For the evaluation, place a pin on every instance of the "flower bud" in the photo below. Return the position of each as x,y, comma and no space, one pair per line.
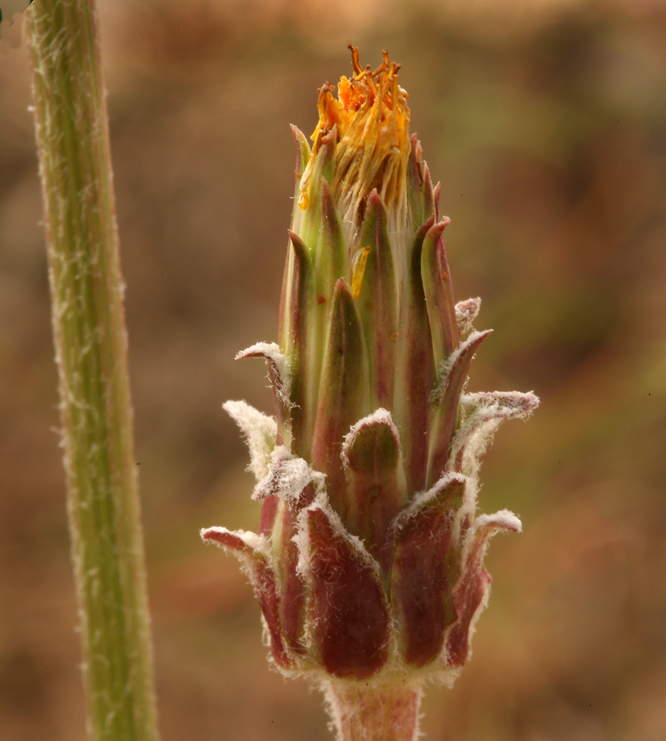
369,557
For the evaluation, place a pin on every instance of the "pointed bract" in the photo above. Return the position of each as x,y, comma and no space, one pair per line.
471,593
278,374
303,151
422,579
429,203
296,332
342,393
371,457
251,550
446,400
293,591
347,608
436,192
377,301
332,257
415,181
438,293
483,414
416,370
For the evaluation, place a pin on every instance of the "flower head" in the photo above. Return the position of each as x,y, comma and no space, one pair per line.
370,122
369,557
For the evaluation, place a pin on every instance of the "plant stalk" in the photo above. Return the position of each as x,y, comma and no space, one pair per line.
91,355
374,711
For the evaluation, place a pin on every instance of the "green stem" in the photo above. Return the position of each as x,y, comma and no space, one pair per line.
374,710
91,353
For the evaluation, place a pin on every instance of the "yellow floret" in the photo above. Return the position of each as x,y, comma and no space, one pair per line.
371,119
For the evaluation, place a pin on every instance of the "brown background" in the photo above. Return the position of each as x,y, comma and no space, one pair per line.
546,123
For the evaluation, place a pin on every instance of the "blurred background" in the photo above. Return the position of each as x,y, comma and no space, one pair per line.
545,121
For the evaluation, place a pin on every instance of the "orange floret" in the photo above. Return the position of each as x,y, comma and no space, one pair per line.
371,120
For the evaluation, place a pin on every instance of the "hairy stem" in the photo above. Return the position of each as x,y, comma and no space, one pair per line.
91,354
374,711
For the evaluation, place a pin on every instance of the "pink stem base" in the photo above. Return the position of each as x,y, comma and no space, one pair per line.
374,710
